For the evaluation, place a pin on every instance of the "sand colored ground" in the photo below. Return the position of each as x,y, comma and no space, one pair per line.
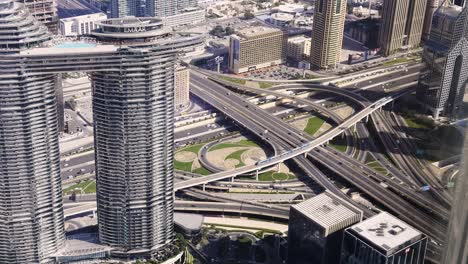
344,112
322,129
185,156
253,155
300,124
196,164
217,157
230,164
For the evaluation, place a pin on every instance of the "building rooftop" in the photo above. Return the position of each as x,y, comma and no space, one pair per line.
386,231
285,17
188,221
298,39
329,211
250,32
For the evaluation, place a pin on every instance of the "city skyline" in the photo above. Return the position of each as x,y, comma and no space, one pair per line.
233,132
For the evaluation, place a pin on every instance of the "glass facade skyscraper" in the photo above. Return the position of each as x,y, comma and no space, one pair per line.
442,87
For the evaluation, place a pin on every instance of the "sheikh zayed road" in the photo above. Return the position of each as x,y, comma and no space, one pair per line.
243,148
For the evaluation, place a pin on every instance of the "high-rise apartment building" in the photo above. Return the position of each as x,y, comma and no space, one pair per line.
299,48
44,11
316,229
181,87
256,47
31,219
133,106
149,8
327,33
402,25
442,87
384,239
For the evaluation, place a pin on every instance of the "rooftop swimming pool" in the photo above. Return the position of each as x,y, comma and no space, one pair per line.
70,45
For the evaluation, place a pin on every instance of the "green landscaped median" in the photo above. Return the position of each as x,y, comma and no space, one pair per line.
313,125
82,187
265,85
194,148
275,176
233,80
183,166
241,143
339,144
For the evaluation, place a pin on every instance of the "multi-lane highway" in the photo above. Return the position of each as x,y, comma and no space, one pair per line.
390,199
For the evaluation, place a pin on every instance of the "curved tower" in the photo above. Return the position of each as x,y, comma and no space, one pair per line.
134,134
31,218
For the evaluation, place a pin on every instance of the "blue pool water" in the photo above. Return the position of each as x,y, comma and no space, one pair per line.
70,45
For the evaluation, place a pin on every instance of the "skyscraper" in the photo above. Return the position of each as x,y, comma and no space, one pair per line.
151,8
44,11
327,33
431,7
442,87
402,25
31,219
133,103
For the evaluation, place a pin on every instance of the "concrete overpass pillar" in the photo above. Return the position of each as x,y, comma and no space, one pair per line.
256,175
232,179
94,213
279,167
367,119
305,155
354,128
204,187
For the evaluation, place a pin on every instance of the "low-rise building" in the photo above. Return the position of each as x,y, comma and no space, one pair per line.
316,228
80,25
189,16
383,238
298,48
181,87
256,47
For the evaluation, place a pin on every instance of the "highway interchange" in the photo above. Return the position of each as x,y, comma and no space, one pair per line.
399,194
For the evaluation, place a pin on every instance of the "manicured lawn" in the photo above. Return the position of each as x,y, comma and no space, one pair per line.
376,166
202,171
265,85
313,125
194,148
415,123
86,186
242,143
233,80
237,156
339,144
183,166
275,176
248,142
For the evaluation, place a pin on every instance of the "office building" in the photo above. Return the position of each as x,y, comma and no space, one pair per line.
327,33
31,222
402,25
456,247
383,239
316,229
298,48
431,7
44,11
181,87
442,87
256,47
80,25
149,8
187,16
133,110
